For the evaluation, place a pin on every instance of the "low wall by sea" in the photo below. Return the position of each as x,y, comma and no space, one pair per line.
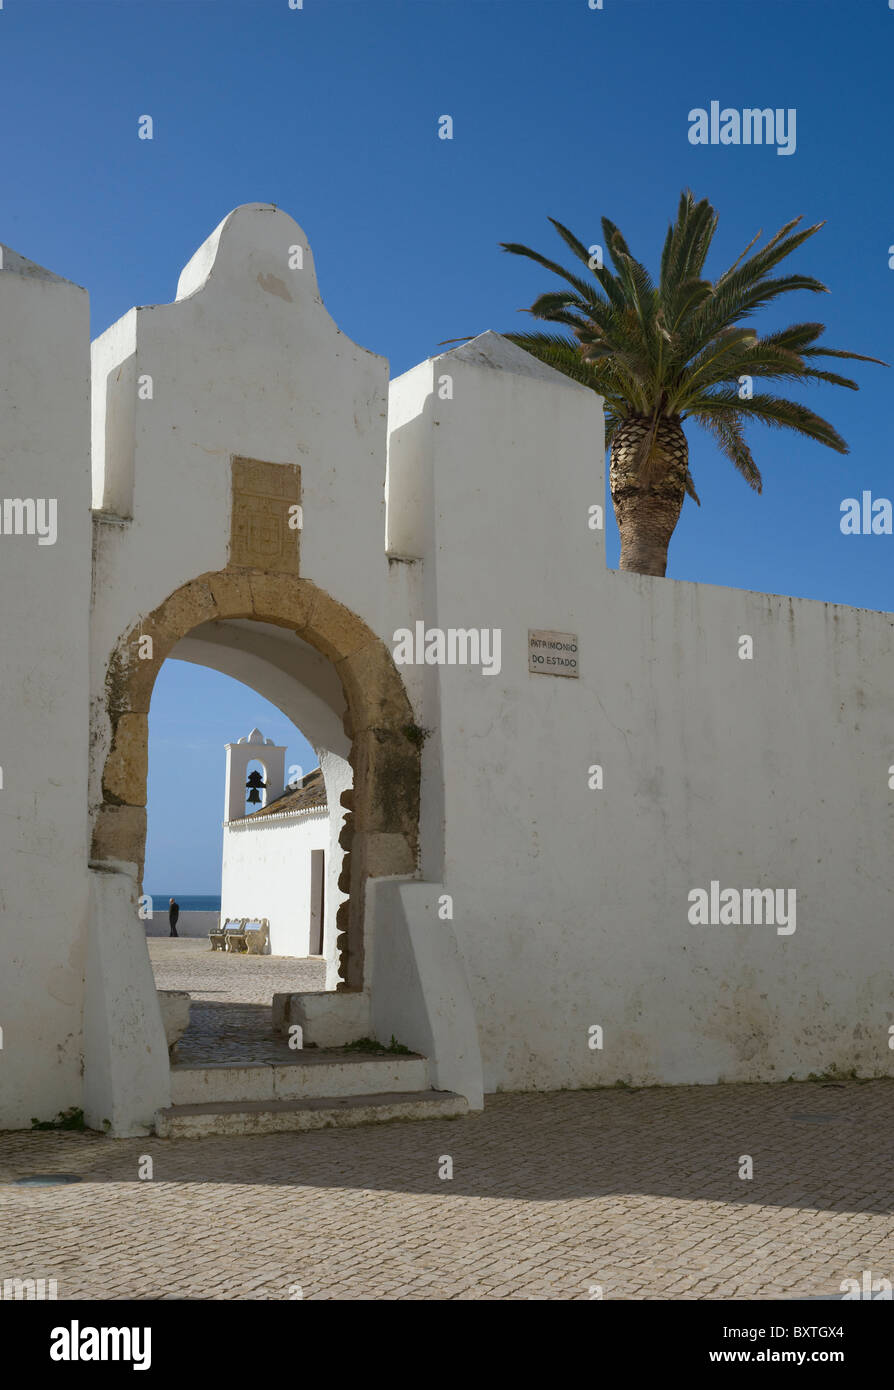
189,923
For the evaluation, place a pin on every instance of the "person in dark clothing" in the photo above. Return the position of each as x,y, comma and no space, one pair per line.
173,914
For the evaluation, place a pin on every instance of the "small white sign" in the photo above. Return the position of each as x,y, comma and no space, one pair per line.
553,653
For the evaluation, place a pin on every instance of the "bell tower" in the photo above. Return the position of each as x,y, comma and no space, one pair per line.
240,785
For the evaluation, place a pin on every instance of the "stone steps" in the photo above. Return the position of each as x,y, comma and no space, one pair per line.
311,1075
195,1121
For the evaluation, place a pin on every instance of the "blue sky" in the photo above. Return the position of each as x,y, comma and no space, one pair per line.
331,111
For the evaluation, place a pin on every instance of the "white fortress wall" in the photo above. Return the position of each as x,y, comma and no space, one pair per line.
44,683
571,904
566,823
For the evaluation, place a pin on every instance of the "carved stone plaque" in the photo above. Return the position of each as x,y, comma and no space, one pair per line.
552,653
266,525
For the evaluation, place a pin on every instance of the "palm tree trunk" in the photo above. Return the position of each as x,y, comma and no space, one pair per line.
648,500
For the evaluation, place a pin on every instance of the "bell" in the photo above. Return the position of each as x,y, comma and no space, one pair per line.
257,784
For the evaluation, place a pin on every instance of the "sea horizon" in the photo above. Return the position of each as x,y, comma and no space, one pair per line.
187,902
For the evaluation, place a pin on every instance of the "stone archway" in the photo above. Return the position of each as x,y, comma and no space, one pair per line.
380,835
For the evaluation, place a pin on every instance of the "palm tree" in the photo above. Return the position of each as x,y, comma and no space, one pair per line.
662,355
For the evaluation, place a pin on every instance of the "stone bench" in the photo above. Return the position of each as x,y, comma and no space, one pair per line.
242,936
257,936
234,937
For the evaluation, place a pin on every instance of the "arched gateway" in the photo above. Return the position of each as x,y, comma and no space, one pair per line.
239,509
381,831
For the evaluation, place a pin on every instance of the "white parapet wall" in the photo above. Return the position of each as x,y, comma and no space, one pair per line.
191,924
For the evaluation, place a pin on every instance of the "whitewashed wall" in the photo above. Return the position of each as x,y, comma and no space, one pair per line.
44,681
570,904
246,361
266,873
567,908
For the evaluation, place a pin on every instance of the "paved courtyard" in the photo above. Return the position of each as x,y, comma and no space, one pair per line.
635,1191
230,1016
216,976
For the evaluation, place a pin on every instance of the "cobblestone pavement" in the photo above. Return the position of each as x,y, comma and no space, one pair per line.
230,1017
188,963
635,1191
